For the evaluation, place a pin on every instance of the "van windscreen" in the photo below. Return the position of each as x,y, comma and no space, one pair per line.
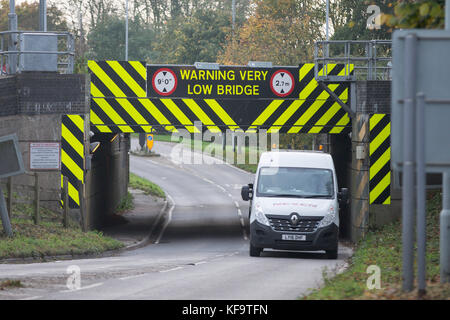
295,182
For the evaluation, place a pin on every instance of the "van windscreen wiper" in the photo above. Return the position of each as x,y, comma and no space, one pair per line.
322,196
284,196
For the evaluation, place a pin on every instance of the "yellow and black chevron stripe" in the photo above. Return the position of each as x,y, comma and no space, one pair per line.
120,79
141,114
314,112
380,159
118,104
72,154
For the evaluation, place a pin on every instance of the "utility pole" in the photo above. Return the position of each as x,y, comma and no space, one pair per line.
12,16
126,31
43,15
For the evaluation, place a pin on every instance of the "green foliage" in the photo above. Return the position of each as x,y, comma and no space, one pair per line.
417,14
28,16
282,32
50,239
199,37
148,187
382,247
6,284
107,40
349,20
125,204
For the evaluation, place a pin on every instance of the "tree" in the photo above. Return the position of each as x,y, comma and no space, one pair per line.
282,32
28,17
349,20
417,14
112,46
199,37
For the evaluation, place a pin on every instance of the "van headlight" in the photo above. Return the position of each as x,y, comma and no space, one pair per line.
329,218
260,216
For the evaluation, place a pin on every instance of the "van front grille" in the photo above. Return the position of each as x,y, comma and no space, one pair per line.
283,223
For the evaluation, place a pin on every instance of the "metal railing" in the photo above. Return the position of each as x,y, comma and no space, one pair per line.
12,52
371,59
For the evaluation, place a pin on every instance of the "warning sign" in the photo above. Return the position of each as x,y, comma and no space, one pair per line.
282,83
164,81
45,156
224,82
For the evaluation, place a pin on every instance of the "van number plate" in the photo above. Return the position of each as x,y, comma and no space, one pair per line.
293,237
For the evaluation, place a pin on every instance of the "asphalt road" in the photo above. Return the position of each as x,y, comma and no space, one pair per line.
201,249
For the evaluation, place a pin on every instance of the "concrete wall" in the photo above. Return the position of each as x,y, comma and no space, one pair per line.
42,128
31,105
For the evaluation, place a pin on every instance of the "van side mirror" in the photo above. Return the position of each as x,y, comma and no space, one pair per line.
247,192
343,196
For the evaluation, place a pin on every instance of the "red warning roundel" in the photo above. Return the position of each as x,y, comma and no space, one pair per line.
164,81
282,83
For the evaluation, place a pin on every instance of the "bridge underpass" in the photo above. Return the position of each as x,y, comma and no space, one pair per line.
189,257
123,101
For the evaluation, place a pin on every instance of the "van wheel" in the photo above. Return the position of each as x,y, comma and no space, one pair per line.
254,251
332,254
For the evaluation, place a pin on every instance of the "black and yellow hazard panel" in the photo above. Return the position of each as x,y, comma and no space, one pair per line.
380,159
120,79
141,114
314,112
72,154
119,104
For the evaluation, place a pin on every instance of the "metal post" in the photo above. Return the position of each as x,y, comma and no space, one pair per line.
126,31
447,14
82,201
421,199
4,214
327,30
43,15
10,196
408,165
66,202
445,213
12,58
37,214
445,229
327,22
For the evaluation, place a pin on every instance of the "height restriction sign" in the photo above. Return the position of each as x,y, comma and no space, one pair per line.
223,82
164,81
282,83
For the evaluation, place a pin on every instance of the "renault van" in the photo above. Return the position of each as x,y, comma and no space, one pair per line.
294,203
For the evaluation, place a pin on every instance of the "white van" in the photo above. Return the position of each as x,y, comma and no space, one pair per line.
294,203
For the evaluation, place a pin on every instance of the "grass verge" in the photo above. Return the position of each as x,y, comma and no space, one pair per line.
125,204
8,284
52,239
49,238
145,185
382,247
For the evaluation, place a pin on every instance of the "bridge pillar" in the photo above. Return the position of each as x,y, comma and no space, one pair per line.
360,177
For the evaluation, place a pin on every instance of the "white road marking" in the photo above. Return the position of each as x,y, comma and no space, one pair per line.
169,218
132,277
169,270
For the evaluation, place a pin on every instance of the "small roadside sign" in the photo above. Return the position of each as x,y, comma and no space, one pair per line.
150,141
45,156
